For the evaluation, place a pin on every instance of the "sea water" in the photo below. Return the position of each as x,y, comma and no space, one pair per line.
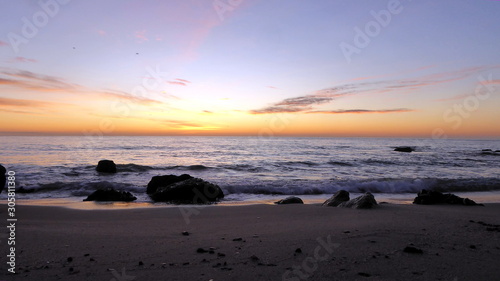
252,169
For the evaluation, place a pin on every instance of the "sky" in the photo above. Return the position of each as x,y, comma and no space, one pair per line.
364,68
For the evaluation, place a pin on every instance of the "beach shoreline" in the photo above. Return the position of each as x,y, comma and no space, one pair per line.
256,242
486,197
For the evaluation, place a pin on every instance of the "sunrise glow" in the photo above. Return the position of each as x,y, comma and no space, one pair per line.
322,68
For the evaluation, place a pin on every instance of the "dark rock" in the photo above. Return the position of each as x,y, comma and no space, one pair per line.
412,250
490,152
365,201
201,250
161,181
429,197
290,200
339,197
188,191
364,274
141,263
238,239
404,149
110,195
70,259
185,233
106,166
298,251
3,178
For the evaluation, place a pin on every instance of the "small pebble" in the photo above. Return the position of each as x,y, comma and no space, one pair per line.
185,233
70,259
298,251
413,250
141,263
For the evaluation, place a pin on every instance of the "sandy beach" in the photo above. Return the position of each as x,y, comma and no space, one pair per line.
256,242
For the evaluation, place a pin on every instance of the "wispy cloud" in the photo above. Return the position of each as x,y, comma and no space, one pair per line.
21,59
362,111
2,43
32,81
178,81
43,83
20,111
125,96
491,82
24,106
101,32
183,80
22,103
303,103
184,125
454,98
307,102
141,36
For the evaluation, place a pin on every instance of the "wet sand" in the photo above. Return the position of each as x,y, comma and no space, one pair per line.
256,242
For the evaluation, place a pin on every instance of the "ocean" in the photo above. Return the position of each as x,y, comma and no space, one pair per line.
252,169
